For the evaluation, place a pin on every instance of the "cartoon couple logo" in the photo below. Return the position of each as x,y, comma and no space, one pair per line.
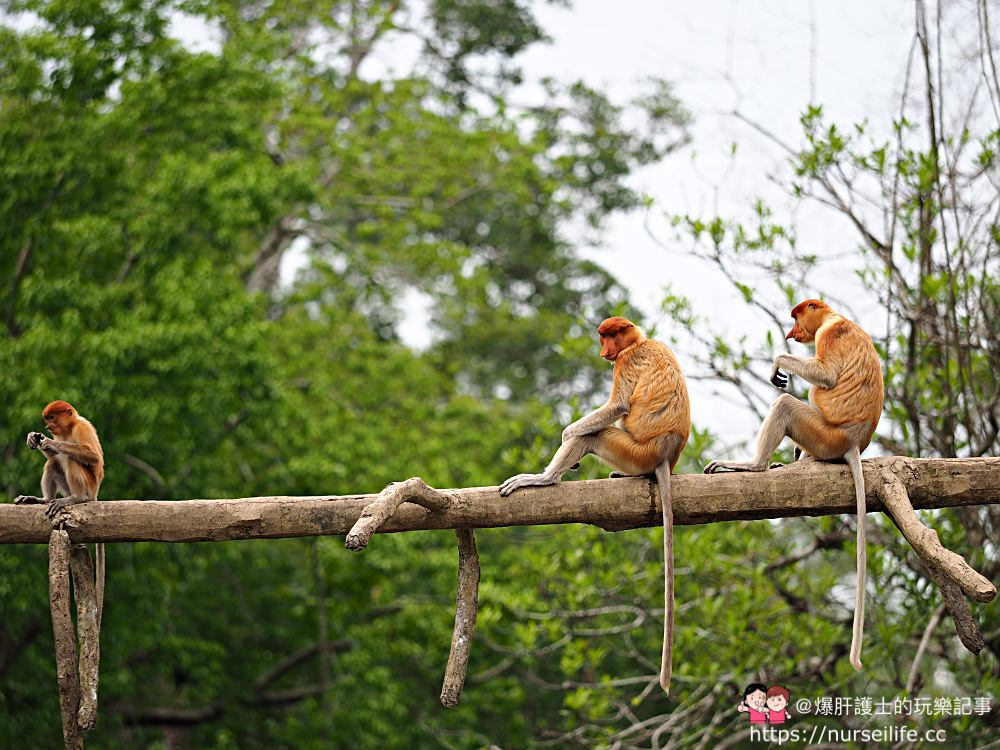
765,704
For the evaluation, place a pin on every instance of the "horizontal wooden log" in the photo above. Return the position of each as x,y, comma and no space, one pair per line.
803,489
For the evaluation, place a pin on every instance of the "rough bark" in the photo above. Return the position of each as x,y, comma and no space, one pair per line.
945,563
376,513
950,572
466,611
88,632
65,639
808,489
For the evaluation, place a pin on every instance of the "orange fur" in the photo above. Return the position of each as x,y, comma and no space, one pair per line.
81,458
857,396
658,405
845,404
649,401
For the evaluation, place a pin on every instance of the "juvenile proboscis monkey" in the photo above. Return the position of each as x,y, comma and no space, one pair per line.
649,401
845,403
74,468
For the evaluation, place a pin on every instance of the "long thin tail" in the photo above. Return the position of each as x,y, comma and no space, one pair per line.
99,583
853,458
667,657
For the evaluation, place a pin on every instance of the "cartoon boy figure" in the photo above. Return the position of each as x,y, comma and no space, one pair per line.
754,702
777,702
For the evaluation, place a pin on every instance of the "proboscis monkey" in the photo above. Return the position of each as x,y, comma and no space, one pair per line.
74,468
649,401
845,404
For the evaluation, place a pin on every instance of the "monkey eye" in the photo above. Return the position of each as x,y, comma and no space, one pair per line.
812,306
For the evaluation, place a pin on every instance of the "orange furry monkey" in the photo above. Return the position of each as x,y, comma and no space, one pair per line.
649,401
845,404
74,468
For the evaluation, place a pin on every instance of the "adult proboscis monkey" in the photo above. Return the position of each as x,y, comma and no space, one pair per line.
845,404
649,401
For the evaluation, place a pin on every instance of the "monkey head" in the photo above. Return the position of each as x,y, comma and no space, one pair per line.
59,418
808,316
617,334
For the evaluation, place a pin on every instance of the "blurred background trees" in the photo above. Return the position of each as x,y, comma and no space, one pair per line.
211,254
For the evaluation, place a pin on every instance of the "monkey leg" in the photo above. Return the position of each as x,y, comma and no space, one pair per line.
799,421
53,483
568,454
620,450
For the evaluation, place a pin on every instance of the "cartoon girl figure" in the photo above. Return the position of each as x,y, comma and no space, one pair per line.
754,702
777,702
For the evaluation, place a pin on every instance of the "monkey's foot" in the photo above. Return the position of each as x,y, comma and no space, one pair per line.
54,506
715,466
28,500
525,480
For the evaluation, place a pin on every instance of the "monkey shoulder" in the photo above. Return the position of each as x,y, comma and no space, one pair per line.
656,353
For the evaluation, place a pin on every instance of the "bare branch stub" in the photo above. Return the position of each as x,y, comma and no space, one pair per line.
952,574
925,541
65,638
89,633
381,509
958,607
466,612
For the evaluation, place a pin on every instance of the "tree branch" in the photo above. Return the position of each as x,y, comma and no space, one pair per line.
809,488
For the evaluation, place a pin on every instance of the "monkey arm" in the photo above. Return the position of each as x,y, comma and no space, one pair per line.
812,369
597,420
79,452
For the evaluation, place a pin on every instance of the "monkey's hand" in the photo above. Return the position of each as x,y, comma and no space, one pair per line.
35,439
28,500
778,378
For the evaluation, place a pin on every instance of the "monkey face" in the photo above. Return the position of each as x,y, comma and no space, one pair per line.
808,318
616,334
59,418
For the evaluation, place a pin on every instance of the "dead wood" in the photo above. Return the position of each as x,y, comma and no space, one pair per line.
88,630
952,574
807,489
466,611
65,639
413,490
